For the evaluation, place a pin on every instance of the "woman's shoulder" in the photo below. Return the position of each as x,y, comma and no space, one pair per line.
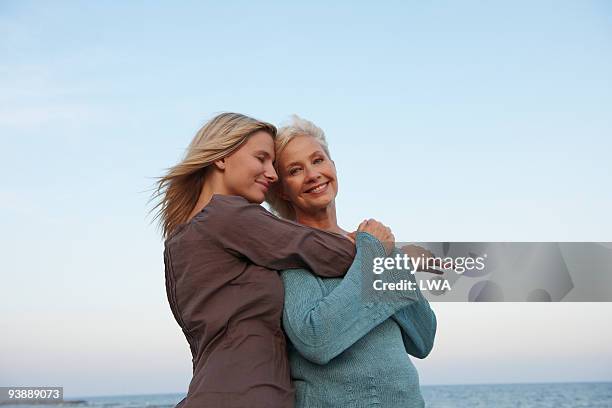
229,205
226,213
220,210
232,200
234,218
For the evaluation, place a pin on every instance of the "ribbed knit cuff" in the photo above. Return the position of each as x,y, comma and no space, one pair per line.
376,287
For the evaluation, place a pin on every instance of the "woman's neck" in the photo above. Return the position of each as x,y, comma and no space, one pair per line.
324,219
211,186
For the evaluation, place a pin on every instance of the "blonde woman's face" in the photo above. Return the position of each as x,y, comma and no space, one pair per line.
307,176
249,171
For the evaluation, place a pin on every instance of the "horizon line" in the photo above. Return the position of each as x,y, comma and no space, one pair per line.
421,385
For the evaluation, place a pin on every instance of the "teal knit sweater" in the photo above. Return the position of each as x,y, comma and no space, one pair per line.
351,350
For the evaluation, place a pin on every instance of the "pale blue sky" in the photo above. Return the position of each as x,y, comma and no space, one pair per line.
471,121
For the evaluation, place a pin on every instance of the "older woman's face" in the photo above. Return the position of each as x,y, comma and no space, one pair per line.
307,176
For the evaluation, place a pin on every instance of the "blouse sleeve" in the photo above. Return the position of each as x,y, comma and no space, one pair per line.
322,325
251,231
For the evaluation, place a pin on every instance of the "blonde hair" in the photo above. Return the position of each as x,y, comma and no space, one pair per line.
296,126
178,191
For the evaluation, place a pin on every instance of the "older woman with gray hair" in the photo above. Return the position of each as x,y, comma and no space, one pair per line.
346,349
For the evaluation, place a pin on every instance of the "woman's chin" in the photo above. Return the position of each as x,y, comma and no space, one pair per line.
318,204
256,197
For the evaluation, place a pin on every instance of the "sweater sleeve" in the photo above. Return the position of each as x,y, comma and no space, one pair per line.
250,231
417,322
322,325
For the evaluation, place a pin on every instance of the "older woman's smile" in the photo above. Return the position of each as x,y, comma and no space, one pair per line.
319,188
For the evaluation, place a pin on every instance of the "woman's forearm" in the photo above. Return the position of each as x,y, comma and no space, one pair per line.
322,325
418,324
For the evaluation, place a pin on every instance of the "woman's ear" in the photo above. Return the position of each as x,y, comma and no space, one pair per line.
220,164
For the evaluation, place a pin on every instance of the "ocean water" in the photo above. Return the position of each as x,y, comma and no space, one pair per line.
565,395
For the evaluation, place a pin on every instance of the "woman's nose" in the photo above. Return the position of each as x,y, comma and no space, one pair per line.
311,174
270,174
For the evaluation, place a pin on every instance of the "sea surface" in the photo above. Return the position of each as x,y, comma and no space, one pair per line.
562,395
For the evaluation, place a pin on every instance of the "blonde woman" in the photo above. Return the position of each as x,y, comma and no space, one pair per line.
346,350
222,250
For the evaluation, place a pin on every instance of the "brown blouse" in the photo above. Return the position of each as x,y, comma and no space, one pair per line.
225,293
